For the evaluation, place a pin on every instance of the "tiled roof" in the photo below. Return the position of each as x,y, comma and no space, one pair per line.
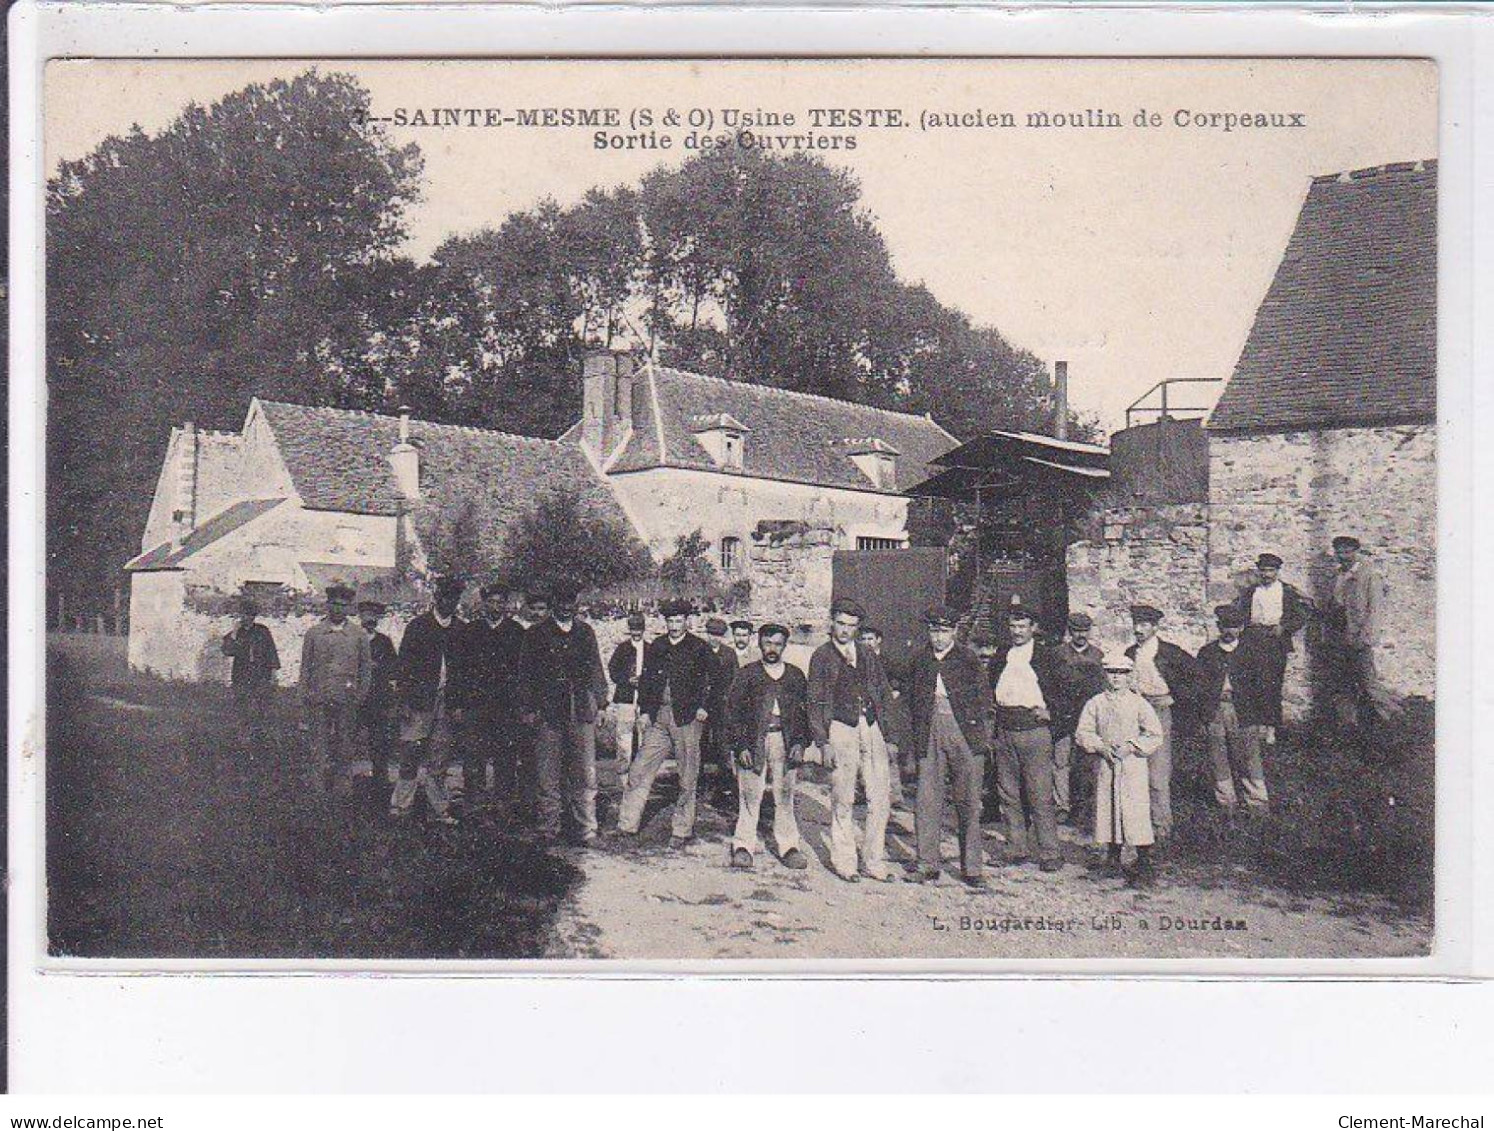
1346,334
339,461
169,556
791,436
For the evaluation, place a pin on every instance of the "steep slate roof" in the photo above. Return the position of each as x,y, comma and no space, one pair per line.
1346,334
790,436
339,461
168,556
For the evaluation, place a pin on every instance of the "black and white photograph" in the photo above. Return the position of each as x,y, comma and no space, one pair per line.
701,510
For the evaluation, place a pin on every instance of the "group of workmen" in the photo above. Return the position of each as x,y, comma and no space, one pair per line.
522,688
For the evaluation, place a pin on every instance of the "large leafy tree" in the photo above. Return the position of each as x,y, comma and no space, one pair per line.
247,249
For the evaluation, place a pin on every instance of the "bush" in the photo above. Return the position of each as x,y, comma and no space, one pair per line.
560,542
688,570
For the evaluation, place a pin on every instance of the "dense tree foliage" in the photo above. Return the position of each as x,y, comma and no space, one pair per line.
252,249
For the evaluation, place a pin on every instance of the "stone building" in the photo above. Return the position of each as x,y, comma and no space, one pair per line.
1327,426
775,481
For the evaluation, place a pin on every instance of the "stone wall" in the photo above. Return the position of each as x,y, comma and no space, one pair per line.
791,572
1154,555
1291,493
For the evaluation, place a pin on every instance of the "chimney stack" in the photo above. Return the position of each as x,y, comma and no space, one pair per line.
404,458
607,402
1061,399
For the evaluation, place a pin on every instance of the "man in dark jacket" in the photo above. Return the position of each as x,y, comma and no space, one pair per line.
715,741
951,734
1234,696
1165,676
624,669
251,677
427,663
486,679
674,696
564,691
1274,612
848,699
1027,685
1083,677
376,718
767,727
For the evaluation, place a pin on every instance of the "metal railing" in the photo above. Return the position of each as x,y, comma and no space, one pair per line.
1165,409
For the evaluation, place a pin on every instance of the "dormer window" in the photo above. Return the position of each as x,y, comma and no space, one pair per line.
724,438
876,459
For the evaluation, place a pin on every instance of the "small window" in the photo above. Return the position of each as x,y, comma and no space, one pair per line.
879,544
731,554
733,450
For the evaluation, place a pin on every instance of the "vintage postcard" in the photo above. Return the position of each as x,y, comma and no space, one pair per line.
687,510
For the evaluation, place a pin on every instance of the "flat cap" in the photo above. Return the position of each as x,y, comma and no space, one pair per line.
1118,661
736,624
371,607
1229,616
1346,540
1018,611
635,620
1268,561
675,607
1081,622
939,616
771,629
450,587
844,606
1146,614
715,626
337,591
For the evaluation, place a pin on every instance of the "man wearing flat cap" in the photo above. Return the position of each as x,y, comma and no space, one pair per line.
487,680
743,643
952,721
714,737
252,674
336,673
1274,612
427,664
564,691
1355,616
675,691
377,715
624,669
1235,685
1081,677
1027,687
1164,676
848,698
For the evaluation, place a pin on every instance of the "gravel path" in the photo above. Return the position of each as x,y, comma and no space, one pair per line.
641,900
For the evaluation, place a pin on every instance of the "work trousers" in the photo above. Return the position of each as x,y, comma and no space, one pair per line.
425,740
949,756
751,784
1024,785
625,720
860,752
1159,770
488,736
1063,767
251,709
1235,751
376,733
333,742
664,738
565,761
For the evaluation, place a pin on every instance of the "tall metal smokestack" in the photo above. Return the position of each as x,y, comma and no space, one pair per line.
1061,399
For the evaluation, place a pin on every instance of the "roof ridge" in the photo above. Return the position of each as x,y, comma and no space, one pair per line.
820,397
1369,171
413,420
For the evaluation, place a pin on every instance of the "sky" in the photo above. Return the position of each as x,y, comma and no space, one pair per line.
1135,253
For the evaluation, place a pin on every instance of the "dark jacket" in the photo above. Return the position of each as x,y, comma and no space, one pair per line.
1180,670
385,659
255,660
1083,679
487,664
424,646
560,673
969,696
1249,670
749,711
841,693
1050,676
620,671
690,670
1296,611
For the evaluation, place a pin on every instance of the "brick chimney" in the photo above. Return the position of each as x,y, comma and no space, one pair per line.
1061,400
607,380
404,458
184,516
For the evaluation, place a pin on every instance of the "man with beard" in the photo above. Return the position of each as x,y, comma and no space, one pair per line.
768,729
